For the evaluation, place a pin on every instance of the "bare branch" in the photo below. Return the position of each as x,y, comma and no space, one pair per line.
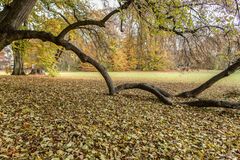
145,87
100,23
193,93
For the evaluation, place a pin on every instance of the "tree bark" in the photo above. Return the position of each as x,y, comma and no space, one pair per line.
104,73
163,92
213,103
193,93
37,71
145,87
18,68
12,17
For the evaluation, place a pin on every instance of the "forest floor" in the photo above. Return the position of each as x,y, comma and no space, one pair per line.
61,118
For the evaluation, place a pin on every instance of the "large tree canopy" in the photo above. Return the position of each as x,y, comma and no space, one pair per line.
185,18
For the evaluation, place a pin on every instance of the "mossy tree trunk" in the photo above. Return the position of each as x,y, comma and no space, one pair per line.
18,67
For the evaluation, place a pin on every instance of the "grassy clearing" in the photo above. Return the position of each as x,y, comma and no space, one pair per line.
56,118
171,77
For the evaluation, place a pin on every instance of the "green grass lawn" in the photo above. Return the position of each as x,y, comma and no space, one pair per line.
187,77
171,77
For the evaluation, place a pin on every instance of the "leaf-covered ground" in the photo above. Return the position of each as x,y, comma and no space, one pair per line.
46,118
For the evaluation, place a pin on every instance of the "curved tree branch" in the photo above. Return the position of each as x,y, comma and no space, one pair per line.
213,103
8,36
193,93
145,87
44,36
163,92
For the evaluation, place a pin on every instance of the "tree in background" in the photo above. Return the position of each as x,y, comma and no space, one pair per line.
154,49
18,53
41,57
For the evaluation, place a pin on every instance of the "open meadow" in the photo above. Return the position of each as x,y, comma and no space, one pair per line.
72,117
165,77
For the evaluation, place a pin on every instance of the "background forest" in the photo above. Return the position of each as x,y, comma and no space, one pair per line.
127,43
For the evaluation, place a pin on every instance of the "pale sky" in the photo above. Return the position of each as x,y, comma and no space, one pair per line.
99,3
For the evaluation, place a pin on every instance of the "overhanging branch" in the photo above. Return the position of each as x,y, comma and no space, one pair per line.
100,23
44,36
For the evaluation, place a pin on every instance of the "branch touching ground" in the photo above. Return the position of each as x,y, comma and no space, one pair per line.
213,103
163,92
44,36
193,93
7,36
145,87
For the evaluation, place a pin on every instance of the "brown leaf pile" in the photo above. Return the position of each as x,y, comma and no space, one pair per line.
46,118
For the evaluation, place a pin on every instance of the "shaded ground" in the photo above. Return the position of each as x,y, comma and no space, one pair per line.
46,118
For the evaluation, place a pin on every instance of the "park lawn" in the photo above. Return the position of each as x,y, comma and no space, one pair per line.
73,118
170,77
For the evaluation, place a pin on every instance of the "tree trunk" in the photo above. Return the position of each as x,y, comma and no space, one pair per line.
193,93
36,70
12,17
17,13
18,64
